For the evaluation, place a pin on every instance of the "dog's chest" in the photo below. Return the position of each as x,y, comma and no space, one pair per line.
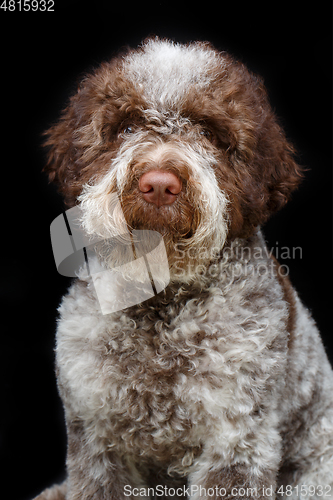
146,408
155,384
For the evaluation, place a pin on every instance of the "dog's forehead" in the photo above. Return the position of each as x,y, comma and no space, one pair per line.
164,72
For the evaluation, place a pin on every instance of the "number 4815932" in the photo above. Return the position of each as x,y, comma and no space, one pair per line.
28,5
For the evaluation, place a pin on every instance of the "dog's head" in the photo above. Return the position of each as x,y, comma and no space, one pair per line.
186,138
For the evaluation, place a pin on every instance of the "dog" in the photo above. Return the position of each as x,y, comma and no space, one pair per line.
217,386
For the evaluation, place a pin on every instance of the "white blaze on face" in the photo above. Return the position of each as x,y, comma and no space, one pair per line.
164,71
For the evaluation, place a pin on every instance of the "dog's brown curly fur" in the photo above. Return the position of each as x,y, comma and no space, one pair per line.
221,380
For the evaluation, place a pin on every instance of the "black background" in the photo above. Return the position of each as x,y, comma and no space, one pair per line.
42,58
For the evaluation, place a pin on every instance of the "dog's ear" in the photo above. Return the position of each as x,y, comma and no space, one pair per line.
84,132
73,142
277,169
264,166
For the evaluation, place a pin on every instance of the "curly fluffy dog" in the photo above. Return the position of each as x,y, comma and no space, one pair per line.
219,386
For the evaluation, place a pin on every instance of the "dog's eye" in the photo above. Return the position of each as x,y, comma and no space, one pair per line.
127,129
207,133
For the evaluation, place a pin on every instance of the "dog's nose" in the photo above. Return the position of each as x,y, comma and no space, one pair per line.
160,187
